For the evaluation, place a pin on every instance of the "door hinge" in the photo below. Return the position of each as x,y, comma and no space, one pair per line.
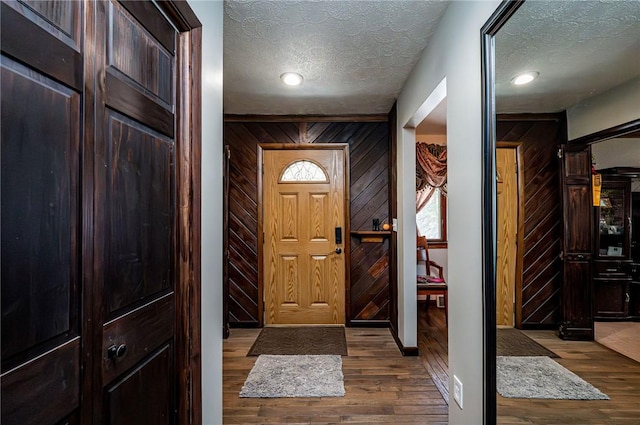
560,153
228,151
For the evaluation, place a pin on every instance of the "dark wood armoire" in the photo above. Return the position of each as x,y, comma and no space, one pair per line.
575,185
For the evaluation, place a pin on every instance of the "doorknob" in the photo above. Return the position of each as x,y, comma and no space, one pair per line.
114,351
338,250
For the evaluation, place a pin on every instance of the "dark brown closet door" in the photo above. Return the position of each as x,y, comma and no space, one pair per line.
41,72
575,182
135,214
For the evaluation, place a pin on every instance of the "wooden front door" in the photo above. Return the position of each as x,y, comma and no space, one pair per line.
97,208
507,249
304,225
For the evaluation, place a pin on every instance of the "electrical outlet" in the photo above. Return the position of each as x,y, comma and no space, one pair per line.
457,390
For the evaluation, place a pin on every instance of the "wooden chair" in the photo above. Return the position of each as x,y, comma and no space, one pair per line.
431,284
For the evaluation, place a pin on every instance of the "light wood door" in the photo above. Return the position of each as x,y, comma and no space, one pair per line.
304,265
507,248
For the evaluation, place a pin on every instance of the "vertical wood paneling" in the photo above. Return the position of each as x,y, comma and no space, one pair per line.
542,278
369,189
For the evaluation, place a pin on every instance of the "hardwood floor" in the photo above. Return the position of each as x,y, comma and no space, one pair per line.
615,375
382,387
432,343
620,336
385,388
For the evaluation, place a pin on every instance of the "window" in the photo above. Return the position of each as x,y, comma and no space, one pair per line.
432,219
304,171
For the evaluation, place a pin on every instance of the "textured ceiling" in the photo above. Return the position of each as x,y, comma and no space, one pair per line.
354,55
580,49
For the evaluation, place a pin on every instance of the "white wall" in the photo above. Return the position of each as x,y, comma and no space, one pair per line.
454,53
210,14
621,152
614,107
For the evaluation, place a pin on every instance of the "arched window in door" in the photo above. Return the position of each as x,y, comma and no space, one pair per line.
304,171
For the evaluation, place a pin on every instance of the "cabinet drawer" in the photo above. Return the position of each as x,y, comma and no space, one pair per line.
611,268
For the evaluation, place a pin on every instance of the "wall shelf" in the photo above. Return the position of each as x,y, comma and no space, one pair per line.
371,236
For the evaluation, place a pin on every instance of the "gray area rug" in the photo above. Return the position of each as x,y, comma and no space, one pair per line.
295,376
541,377
513,342
300,340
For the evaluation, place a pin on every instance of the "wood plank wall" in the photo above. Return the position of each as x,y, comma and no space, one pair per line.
369,179
542,269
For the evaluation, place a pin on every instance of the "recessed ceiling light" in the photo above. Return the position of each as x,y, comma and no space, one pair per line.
291,78
524,78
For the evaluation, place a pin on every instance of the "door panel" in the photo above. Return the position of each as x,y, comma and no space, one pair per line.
39,210
304,276
46,49
507,235
136,194
89,217
152,381
43,390
140,207
140,331
575,166
41,78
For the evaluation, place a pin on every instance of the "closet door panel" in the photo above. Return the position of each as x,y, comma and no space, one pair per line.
41,97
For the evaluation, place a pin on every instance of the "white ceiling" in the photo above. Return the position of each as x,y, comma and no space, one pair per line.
580,49
355,55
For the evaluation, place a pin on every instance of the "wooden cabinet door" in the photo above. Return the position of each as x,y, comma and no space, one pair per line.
575,183
135,214
41,95
611,297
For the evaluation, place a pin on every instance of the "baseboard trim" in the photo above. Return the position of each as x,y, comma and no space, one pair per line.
406,351
539,327
369,323
242,325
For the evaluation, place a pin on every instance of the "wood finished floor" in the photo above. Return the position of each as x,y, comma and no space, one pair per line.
610,372
382,387
385,388
620,336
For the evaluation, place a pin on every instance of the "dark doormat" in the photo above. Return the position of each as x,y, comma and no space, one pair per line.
311,340
512,342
